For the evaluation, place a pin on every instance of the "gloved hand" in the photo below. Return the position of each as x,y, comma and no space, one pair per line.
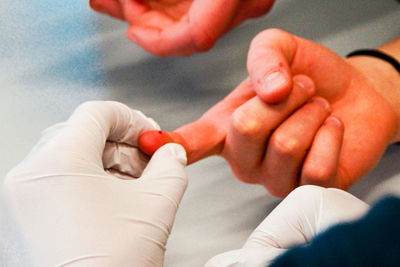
76,197
305,212
180,27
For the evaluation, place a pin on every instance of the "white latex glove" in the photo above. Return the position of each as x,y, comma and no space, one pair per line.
304,213
76,197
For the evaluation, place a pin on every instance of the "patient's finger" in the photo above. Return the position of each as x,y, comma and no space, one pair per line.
109,7
197,31
250,9
321,164
268,64
206,136
252,125
275,56
289,144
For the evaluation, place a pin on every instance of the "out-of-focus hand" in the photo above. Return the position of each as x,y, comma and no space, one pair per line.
180,27
86,195
282,157
304,213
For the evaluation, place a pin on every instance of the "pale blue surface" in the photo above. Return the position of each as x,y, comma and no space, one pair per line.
57,54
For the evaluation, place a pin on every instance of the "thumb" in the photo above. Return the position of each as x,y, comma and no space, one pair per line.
268,63
275,56
165,173
205,136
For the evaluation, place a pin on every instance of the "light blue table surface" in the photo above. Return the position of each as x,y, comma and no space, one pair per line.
56,54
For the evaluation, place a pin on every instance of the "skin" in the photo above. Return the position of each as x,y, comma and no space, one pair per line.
363,93
180,27
226,130
331,142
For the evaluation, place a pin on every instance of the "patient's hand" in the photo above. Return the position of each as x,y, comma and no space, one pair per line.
282,146
266,144
363,93
180,27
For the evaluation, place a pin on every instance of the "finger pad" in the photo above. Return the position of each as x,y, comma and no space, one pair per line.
150,141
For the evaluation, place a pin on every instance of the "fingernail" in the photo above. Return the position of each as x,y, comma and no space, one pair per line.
274,82
305,83
333,121
323,102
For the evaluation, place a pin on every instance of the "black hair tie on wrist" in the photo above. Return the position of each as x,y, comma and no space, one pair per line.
377,54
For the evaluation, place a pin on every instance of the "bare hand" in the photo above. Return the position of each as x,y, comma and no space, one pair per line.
180,27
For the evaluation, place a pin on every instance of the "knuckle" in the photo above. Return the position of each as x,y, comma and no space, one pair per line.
245,125
285,145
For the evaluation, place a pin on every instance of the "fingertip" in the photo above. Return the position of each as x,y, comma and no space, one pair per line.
306,83
130,34
268,63
335,122
93,4
275,96
150,141
97,7
159,42
275,81
140,34
322,102
322,162
278,86
146,37
110,8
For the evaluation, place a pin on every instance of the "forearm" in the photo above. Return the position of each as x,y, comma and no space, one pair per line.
384,77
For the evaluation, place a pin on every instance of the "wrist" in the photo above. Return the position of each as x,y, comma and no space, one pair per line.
384,77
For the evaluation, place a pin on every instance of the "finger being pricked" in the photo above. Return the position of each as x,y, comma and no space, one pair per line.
252,125
289,144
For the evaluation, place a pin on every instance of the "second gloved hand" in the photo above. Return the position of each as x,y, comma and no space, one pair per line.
85,195
304,213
